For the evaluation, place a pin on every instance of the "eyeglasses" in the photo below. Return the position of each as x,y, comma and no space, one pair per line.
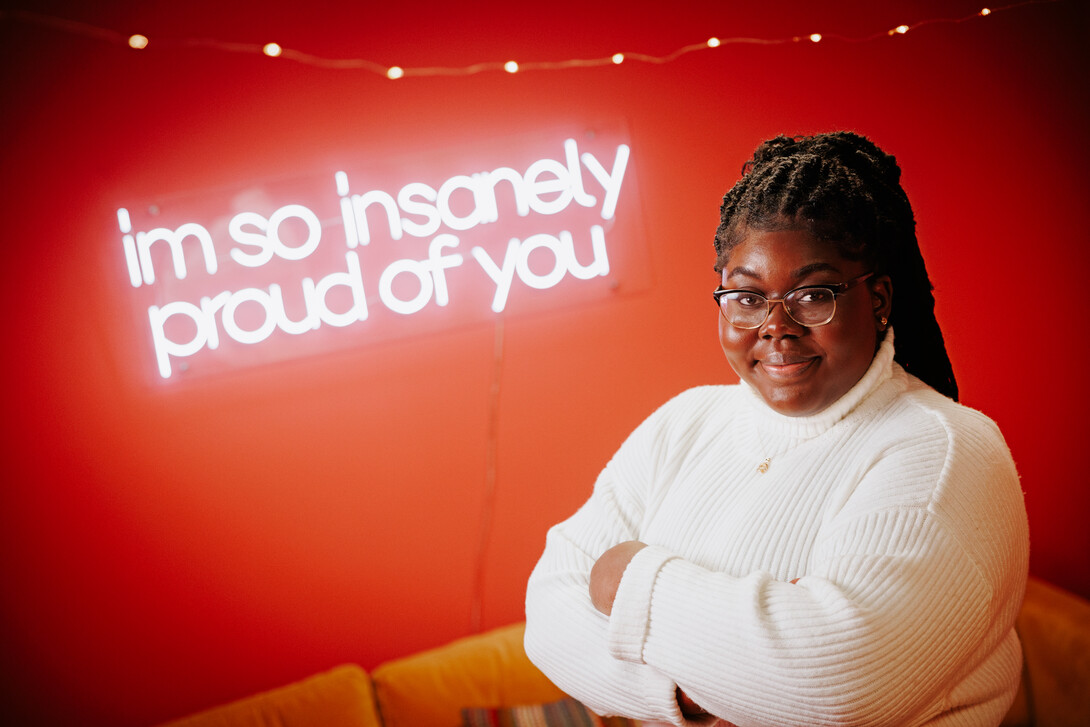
810,305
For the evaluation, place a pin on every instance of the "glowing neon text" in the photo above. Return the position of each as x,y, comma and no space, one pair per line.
250,315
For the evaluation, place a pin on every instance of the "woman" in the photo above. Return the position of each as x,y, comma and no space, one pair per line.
832,541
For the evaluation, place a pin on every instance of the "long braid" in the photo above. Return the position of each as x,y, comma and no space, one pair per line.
844,189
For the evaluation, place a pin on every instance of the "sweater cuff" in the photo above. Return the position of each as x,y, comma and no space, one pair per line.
631,614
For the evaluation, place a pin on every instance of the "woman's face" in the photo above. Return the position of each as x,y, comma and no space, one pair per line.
798,370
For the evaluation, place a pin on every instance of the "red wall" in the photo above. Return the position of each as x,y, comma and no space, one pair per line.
167,547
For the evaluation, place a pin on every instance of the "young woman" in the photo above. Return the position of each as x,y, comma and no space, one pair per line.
834,540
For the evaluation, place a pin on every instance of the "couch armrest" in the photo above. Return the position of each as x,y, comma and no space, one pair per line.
1054,627
340,697
487,670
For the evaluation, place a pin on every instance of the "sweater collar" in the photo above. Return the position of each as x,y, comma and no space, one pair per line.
880,371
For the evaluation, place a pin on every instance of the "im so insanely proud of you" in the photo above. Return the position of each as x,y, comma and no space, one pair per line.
580,182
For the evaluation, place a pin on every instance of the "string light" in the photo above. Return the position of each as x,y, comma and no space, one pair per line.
274,50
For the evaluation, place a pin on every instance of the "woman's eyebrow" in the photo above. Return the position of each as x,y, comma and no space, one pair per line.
808,269
815,268
744,272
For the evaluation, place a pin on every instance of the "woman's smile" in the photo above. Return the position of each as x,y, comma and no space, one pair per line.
786,368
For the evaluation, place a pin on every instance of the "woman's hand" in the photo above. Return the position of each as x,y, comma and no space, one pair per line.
606,574
689,708
605,577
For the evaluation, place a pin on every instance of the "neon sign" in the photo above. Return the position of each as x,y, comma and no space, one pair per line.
269,269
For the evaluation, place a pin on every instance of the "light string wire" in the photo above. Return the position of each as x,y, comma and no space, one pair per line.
141,42
488,502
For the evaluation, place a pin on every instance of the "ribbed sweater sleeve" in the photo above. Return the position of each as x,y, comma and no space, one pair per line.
899,518
565,635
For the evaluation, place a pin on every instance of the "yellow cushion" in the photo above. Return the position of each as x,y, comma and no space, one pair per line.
488,670
341,697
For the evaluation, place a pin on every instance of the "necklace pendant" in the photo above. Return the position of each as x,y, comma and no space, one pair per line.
763,466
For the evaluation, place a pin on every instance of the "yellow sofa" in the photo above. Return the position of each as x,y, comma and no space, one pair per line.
430,689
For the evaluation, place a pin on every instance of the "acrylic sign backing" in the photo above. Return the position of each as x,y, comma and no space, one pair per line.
379,248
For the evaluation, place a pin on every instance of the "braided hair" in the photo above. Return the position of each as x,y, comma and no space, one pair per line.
842,188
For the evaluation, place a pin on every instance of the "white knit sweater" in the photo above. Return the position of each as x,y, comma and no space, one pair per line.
899,512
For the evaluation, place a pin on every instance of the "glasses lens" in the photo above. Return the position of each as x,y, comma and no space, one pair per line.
743,309
811,306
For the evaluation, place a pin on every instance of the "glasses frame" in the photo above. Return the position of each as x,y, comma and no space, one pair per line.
836,289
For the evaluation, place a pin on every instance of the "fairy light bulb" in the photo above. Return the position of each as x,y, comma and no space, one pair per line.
713,42
618,58
985,11
511,67
815,37
900,29
272,50
395,72
137,41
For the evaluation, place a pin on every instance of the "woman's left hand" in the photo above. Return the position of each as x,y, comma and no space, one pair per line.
606,574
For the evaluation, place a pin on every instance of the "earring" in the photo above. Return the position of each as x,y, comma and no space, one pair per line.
882,322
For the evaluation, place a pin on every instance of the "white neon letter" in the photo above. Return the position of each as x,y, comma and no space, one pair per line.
571,156
348,217
129,244
502,278
360,203
237,332
447,190
174,238
599,266
438,263
259,239
164,347
561,183
316,295
528,276
426,209
209,307
489,205
386,286
610,181
314,231
287,325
